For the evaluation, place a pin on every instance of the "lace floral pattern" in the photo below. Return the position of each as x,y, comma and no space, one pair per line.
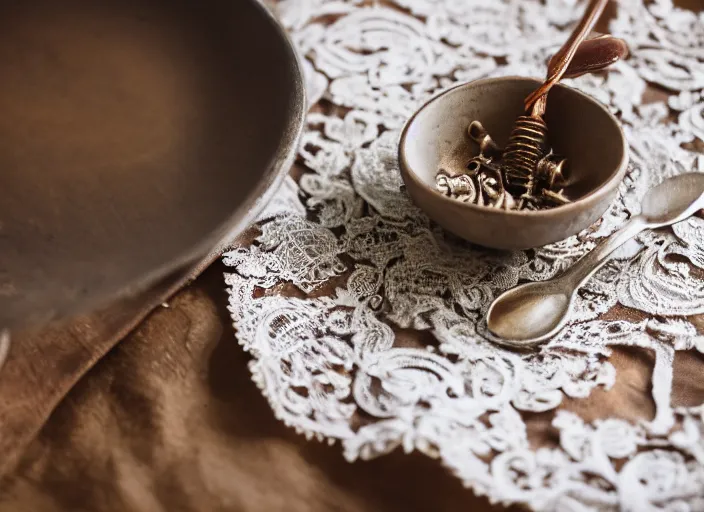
366,322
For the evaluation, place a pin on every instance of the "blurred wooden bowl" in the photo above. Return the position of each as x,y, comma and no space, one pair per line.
136,138
580,128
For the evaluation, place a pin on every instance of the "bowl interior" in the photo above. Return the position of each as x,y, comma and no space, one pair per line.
580,129
134,135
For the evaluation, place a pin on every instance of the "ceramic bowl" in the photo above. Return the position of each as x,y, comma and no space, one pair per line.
137,138
580,128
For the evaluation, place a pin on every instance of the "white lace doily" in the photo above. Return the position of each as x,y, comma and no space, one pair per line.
366,321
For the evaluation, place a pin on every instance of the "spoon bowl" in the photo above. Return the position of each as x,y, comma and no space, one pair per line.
531,311
673,200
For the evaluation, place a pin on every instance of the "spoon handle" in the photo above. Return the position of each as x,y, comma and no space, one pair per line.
600,255
561,60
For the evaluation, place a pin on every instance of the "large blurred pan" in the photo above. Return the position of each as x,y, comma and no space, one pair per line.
136,138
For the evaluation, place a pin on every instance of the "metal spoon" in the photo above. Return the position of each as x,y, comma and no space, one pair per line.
529,314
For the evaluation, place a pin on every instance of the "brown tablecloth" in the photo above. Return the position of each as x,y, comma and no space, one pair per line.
170,420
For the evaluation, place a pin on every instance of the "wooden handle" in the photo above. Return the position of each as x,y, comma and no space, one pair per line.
561,60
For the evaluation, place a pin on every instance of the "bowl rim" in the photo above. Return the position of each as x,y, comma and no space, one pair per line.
222,235
591,198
